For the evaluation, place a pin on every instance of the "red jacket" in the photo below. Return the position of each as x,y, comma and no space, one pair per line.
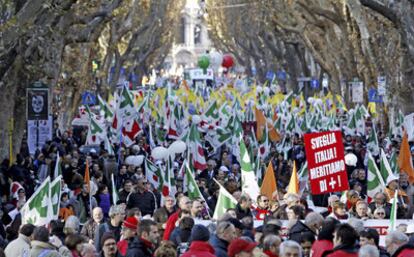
122,246
343,251
269,253
406,250
170,225
260,214
321,246
199,249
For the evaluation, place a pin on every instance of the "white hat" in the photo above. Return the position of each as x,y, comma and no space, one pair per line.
224,168
391,178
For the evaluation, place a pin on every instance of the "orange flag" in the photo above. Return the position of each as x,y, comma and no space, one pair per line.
269,185
260,123
293,186
404,159
86,178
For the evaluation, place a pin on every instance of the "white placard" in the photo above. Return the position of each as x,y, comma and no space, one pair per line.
199,74
45,133
357,92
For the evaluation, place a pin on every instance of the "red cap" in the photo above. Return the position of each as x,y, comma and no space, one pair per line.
239,245
131,223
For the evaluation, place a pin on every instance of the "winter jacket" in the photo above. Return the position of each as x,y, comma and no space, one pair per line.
18,247
342,251
144,201
220,246
82,207
406,250
319,247
41,248
170,225
102,229
298,230
179,236
260,214
139,247
200,249
89,229
161,216
242,213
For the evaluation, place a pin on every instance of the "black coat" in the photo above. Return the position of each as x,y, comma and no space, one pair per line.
242,213
139,247
299,229
144,201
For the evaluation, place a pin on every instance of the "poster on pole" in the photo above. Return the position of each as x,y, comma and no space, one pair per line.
357,92
37,139
326,162
37,103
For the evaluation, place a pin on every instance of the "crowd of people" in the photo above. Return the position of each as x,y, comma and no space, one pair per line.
144,222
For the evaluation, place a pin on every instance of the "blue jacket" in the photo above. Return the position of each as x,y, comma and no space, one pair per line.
219,245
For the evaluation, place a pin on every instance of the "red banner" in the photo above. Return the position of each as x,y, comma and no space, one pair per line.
326,163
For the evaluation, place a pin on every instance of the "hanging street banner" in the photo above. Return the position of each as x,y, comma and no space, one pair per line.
326,162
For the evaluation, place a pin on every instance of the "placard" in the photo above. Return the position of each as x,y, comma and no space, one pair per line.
36,139
326,163
37,103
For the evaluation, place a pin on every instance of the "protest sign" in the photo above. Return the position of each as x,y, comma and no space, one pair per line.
326,164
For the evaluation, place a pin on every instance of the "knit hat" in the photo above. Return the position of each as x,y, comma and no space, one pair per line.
200,233
106,236
131,223
239,245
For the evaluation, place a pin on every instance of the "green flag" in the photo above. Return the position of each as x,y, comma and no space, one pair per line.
375,182
190,185
248,176
385,168
58,168
393,215
224,201
55,191
38,209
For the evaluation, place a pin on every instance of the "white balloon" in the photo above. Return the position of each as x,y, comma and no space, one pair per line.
351,159
159,153
216,59
135,160
177,147
311,100
196,119
259,89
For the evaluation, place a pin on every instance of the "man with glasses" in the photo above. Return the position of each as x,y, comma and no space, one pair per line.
142,199
109,246
262,209
380,201
184,203
162,214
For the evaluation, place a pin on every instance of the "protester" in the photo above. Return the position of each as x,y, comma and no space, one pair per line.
271,244
397,245
40,244
146,241
21,245
113,225
129,230
290,249
199,243
225,233
108,243
370,236
345,242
